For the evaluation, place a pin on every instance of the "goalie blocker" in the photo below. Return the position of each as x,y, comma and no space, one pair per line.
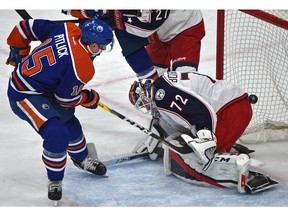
202,165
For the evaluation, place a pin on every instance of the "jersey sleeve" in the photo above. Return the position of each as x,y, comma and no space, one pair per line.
30,30
144,23
81,14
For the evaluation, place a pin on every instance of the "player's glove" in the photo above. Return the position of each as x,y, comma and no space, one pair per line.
90,99
16,55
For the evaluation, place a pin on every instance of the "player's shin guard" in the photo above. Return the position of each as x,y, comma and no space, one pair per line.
55,164
77,149
56,138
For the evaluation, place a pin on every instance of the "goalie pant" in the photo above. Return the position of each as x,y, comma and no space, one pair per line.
225,171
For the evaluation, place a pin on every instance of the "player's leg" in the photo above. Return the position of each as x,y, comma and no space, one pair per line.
133,49
159,54
186,47
41,115
78,150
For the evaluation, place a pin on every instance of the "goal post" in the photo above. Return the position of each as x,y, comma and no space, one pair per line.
252,52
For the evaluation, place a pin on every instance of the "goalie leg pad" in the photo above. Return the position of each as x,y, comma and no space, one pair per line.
167,160
229,170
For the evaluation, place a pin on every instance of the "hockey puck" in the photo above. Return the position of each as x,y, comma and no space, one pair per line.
253,99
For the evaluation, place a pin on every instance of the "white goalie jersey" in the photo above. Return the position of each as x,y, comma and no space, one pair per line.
167,23
189,101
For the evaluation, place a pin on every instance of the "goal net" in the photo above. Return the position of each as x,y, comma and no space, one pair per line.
252,52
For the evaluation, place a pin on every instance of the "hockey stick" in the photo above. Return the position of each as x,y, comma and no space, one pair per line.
25,15
92,152
181,150
126,158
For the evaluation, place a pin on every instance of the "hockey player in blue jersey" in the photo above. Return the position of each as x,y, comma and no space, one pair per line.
48,84
174,38
132,44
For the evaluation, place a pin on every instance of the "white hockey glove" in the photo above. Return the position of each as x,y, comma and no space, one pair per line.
204,146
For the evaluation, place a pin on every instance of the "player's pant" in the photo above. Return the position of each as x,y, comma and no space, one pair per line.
182,50
60,129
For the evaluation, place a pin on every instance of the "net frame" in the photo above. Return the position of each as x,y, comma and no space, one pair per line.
252,52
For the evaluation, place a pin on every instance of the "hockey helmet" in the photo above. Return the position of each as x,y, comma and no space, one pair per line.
97,31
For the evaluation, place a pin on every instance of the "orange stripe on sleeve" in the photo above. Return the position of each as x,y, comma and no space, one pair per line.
77,14
16,39
24,23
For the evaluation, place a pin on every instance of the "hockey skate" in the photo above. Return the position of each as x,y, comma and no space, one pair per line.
55,190
91,165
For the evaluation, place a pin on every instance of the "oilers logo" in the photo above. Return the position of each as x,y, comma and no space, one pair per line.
160,94
45,106
100,28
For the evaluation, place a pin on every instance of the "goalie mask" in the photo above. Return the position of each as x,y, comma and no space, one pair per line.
141,96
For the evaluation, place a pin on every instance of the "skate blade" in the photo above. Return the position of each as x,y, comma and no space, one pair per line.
55,203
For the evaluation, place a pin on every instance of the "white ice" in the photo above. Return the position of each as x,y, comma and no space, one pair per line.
138,183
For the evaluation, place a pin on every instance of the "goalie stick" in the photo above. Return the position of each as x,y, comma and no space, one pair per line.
25,15
177,149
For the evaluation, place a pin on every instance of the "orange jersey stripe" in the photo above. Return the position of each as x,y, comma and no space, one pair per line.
53,164
77,14
24,23
30,111
18,84
77,147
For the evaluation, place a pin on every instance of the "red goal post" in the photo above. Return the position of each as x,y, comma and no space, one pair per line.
252,51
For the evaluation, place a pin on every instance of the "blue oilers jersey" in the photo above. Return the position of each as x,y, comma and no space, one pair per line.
58,68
